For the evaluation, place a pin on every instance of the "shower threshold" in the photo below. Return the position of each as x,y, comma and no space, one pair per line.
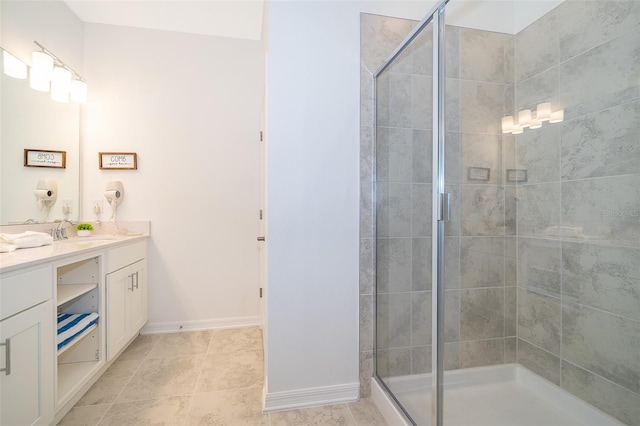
492,396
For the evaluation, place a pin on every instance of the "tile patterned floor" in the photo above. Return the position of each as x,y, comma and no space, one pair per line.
210,377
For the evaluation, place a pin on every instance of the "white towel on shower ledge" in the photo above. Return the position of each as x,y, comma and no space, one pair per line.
27,239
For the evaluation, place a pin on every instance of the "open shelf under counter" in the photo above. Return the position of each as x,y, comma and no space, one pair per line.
67,292
77,339
72,375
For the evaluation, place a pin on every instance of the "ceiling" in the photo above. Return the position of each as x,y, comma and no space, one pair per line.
224,18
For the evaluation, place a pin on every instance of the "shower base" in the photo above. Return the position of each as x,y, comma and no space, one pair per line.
492,396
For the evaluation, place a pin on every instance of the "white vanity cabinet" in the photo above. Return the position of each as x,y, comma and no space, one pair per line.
126,289
94,293
26,348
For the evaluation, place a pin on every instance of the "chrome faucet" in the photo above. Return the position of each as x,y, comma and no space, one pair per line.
61,232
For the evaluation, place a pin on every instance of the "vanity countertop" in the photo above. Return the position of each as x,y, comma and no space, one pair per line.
23,258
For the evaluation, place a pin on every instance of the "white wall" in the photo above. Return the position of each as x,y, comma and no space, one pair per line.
189,106
313,79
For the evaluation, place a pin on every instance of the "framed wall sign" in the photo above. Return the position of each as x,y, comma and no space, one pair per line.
118,160
45,158
478,173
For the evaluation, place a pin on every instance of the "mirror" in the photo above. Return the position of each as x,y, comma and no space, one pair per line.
29,119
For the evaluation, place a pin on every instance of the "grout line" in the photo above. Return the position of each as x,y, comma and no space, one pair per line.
130,378
206,353
103,416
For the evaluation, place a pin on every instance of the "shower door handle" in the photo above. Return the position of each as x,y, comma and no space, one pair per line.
445,207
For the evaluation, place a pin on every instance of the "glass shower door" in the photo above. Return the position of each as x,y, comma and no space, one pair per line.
403,192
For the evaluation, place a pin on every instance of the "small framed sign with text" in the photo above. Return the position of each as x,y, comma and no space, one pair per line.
118,160
44,158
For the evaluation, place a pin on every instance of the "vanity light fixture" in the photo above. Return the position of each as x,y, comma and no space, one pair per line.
79,91
60,84
13,67
531,119
49,72
41,71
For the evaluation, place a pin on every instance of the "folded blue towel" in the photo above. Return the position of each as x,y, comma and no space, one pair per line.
71,325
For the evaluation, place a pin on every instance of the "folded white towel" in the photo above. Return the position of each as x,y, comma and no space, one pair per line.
6,247
27,239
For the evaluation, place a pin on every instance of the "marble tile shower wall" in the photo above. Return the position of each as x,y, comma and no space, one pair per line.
578,215
480,296
379,36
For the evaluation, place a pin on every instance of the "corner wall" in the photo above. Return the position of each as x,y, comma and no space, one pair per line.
312,199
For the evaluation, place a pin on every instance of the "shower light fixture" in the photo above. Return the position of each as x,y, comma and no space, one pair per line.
557,117
524,118
507,124
531,119
543,112
50,72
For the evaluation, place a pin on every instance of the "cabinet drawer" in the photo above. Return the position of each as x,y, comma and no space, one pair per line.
23,290
122,256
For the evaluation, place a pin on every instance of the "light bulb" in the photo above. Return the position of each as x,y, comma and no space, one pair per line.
60,84
41,71
507,124
79,91
14,67
524,117
543,111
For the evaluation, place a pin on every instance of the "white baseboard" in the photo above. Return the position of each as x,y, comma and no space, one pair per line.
311,397
179,326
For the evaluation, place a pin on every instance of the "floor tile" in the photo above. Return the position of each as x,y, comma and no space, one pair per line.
231,340
85,416
111,383
180,344
163,377
231,371
230,407
140,347
163,411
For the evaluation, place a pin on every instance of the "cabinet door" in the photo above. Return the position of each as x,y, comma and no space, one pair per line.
26,391
138,297
118,289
